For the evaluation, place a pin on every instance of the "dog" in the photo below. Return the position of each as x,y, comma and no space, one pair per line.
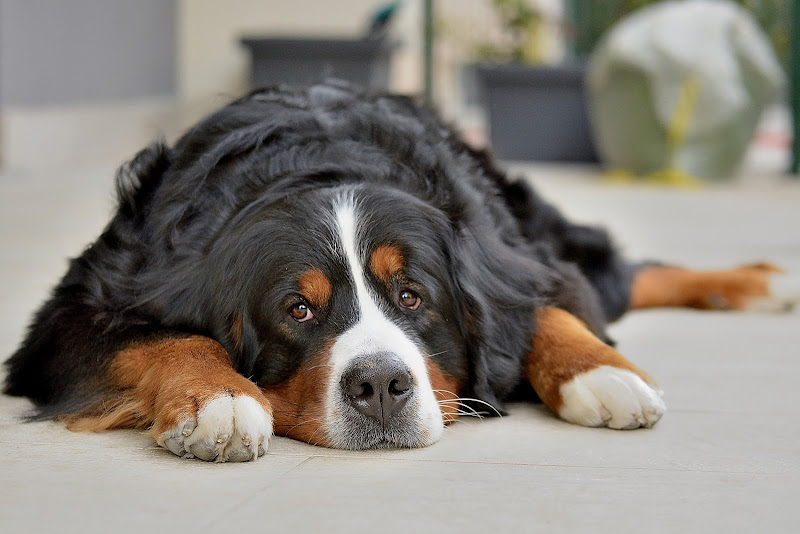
339,268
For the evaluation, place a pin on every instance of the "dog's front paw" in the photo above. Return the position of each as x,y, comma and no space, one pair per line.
226,428
612,397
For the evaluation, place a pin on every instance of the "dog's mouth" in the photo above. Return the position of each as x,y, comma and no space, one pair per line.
355,431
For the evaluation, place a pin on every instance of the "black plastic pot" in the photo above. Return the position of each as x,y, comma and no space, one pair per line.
536,113
304,61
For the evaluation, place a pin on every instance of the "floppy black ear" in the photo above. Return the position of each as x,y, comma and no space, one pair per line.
498,289
235,331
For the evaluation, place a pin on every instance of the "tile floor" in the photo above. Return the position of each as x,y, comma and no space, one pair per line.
725,458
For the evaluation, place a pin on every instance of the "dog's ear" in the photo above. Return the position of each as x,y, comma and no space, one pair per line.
498,290
237,334
137,179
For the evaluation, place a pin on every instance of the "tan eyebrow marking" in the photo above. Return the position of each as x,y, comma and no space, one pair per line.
315,287
386,261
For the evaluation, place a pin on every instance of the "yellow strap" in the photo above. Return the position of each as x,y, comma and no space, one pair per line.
672,175
682,116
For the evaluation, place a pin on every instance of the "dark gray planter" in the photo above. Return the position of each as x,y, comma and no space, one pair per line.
536,113
303,61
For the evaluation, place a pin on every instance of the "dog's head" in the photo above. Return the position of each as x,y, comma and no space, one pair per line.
342,301
352,259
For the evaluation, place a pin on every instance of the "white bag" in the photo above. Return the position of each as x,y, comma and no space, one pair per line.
679,87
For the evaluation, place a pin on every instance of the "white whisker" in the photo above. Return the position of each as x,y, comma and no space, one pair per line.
458,399
471,413
304,422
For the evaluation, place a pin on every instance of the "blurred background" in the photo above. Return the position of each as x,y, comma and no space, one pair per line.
91,81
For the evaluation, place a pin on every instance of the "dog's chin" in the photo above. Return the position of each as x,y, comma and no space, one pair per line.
385,439
353,431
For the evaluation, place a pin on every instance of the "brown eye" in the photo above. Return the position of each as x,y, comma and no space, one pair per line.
409,299
300,312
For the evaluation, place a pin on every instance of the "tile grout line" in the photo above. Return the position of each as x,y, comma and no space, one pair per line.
519,464
211,522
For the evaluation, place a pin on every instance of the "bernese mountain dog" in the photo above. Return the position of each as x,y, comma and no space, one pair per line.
338,267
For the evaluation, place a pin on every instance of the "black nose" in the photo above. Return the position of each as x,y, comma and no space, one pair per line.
378,385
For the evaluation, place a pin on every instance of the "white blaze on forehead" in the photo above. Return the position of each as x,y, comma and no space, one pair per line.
374,332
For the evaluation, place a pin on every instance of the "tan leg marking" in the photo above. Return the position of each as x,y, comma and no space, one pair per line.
188,383
735,289
585,381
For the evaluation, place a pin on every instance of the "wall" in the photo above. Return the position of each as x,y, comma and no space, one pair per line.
113,74
212,63
79,51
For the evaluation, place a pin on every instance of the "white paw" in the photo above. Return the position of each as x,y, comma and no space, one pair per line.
227,429
784,296
612,397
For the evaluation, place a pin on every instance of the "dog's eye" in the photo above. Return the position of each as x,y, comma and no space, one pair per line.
409,299
300,312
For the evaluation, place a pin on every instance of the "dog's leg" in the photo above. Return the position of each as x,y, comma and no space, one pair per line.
746,287
585,381
187,393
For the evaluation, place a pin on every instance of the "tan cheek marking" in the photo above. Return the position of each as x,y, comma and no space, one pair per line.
446,389
659,286
299,403
159,383
386,261
562,349
316,287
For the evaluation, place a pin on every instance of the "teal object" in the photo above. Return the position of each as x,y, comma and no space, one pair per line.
381,19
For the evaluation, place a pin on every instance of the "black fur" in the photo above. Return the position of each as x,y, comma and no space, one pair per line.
202,228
